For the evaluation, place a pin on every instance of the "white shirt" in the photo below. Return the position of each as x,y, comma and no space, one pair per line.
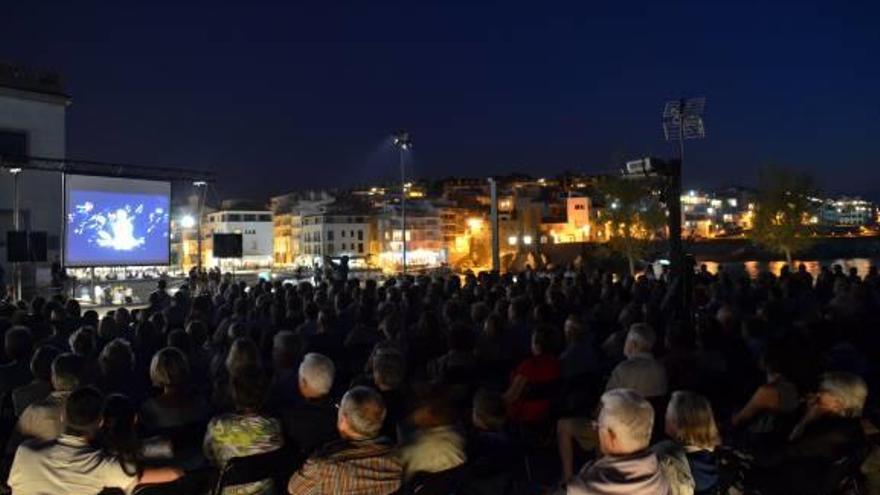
67,465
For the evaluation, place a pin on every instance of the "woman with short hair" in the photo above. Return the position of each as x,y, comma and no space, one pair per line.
177,404
688,459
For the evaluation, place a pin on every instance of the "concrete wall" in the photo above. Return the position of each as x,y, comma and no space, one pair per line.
42,119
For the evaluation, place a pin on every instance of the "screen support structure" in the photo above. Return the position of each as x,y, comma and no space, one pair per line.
16,213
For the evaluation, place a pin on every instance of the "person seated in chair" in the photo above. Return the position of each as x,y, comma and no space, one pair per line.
312,422
245,432
627,466
826,447
71,464
362,462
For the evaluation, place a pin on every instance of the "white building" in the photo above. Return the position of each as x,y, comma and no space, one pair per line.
256,229
33,108
338,231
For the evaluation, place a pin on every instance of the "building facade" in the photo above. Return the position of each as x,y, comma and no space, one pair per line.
256,229
33,113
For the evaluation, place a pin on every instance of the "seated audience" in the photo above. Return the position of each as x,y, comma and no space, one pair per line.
362,462
71,464
42,420
436,444
178,404
639,371
311,422
627,465
527,403
16,372
826,447
41,385
688,458
244,432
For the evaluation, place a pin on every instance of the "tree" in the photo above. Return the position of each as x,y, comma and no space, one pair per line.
633,216
782,210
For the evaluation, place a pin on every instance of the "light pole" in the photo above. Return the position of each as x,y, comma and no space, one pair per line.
403,143
204,186
16,213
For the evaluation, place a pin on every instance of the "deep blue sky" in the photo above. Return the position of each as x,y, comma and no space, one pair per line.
277,96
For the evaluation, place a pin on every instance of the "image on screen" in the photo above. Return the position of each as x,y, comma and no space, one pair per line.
113,221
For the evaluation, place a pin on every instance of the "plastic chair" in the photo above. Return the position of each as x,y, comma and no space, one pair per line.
276,465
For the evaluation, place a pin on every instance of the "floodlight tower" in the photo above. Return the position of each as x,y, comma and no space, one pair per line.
403,143
682,119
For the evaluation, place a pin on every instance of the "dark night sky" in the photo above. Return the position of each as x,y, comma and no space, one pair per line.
284,95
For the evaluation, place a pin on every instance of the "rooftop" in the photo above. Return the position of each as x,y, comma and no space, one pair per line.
29,79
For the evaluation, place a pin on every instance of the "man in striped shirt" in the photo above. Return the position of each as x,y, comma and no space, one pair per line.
362,463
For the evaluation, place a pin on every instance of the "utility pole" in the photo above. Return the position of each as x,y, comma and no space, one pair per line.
493,219
403,143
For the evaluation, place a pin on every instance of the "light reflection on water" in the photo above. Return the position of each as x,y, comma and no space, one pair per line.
753,268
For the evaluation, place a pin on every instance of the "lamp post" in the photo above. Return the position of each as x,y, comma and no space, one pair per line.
403,143
16,214
204,186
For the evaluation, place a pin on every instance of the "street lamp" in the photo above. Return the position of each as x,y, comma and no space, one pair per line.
16,213
204,186
403,142
187,221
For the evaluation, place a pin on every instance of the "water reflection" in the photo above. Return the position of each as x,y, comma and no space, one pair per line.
753,268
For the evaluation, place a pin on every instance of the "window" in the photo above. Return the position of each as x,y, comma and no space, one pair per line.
250,217
342,233
233,217
360,235
329,248
360,247
351,234
264,217
329,235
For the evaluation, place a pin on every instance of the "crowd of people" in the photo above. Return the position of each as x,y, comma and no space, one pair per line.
571,381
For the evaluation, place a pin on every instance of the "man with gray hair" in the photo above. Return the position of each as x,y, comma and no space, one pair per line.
312,422
627,466
640,371
362,462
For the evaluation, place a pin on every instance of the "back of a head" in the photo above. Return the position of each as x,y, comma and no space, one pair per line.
169,368
82,412
317,371
690,420
66,372
249,388
116,359
41,362
18,343
198,332
629,418
848,389
490,410
641,338
461,337
364,412
242,354
286,348
82,342
389,368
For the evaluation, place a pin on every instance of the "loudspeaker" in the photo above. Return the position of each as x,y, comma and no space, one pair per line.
227,246
17,246
38,246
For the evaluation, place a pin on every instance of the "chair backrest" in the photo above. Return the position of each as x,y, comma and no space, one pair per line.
273,465
440,483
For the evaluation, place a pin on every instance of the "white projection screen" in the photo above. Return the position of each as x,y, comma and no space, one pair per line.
112,221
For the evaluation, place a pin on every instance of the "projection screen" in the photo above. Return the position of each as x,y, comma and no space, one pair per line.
113,221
